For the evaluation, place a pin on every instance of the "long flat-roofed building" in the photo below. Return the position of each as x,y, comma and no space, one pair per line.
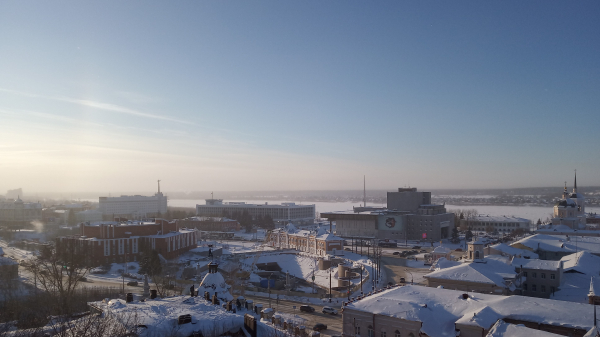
281,214
16,213
133,206
501,224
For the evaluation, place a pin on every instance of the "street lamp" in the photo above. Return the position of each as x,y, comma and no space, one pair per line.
411,275
329,284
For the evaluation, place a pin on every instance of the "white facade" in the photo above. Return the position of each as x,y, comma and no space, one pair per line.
570,210
17,211
283,213
501,224
133,205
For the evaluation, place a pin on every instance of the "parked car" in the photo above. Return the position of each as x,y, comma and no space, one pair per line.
402,280
423,251
458,250
348,249
329,310
132,283
307,308
319,327
396,253
416,247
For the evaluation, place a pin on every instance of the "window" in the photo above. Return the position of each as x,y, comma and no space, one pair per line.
543,288
543,275
357,330
370,332
534,275
524,286
533,287
383,334
397,334
411,335
552,276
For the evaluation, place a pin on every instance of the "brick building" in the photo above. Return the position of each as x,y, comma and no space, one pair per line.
120,242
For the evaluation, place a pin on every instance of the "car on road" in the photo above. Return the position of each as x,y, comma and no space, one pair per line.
347,249
423,251
416,247
329,310
132,283
307,308
402,280
396,253
319,327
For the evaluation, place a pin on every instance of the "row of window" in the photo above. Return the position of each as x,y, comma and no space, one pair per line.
542,275
371,332
534,288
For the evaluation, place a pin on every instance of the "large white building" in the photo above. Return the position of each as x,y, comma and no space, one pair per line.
133,206
500,224
17,212
284,213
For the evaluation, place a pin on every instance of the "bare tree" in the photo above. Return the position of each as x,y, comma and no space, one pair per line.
59,271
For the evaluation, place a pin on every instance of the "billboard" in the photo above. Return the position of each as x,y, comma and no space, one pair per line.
387,222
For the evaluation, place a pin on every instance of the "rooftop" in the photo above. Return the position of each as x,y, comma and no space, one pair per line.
535,264
506,249
440,309
561,243
490,272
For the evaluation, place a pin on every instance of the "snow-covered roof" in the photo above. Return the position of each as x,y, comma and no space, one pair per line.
575,287
170,234
443,263
160,315
490,272
503,329
535,264
495,218
440,309
320,233
215,282
593,332
512,251
582,262
559,243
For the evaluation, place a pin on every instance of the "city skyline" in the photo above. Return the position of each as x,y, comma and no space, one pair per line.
298,96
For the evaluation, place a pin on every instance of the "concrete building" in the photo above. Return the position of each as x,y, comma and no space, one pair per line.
500,224
281,214
133,206
210,224
409,216
19,214
542,277
122,242
318,242
412,311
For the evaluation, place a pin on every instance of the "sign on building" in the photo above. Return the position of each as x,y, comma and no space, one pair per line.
390,222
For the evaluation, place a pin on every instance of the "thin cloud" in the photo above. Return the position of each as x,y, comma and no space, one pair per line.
99,105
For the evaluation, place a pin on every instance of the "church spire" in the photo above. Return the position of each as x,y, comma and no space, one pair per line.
575,184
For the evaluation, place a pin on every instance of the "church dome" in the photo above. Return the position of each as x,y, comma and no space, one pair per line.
575,195
215,282
566,203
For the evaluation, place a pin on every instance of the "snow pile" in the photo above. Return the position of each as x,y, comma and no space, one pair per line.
160,316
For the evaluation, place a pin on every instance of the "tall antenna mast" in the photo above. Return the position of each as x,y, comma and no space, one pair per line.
159,187
364,191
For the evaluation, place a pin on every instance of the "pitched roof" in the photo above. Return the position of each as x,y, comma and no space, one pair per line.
490,272
440,309
503,329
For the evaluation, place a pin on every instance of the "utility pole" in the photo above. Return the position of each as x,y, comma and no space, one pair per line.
329,284
269,287
361,278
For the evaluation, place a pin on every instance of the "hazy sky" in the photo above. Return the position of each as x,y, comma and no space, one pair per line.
273,95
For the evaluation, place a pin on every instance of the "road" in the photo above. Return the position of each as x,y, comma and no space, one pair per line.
333,322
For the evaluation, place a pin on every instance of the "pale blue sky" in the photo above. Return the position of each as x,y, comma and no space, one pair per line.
273,95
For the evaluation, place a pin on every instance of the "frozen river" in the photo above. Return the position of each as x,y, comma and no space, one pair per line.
528,212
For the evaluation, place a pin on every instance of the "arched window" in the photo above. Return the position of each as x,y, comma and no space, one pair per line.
397,334
370,332
383,334
411,335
